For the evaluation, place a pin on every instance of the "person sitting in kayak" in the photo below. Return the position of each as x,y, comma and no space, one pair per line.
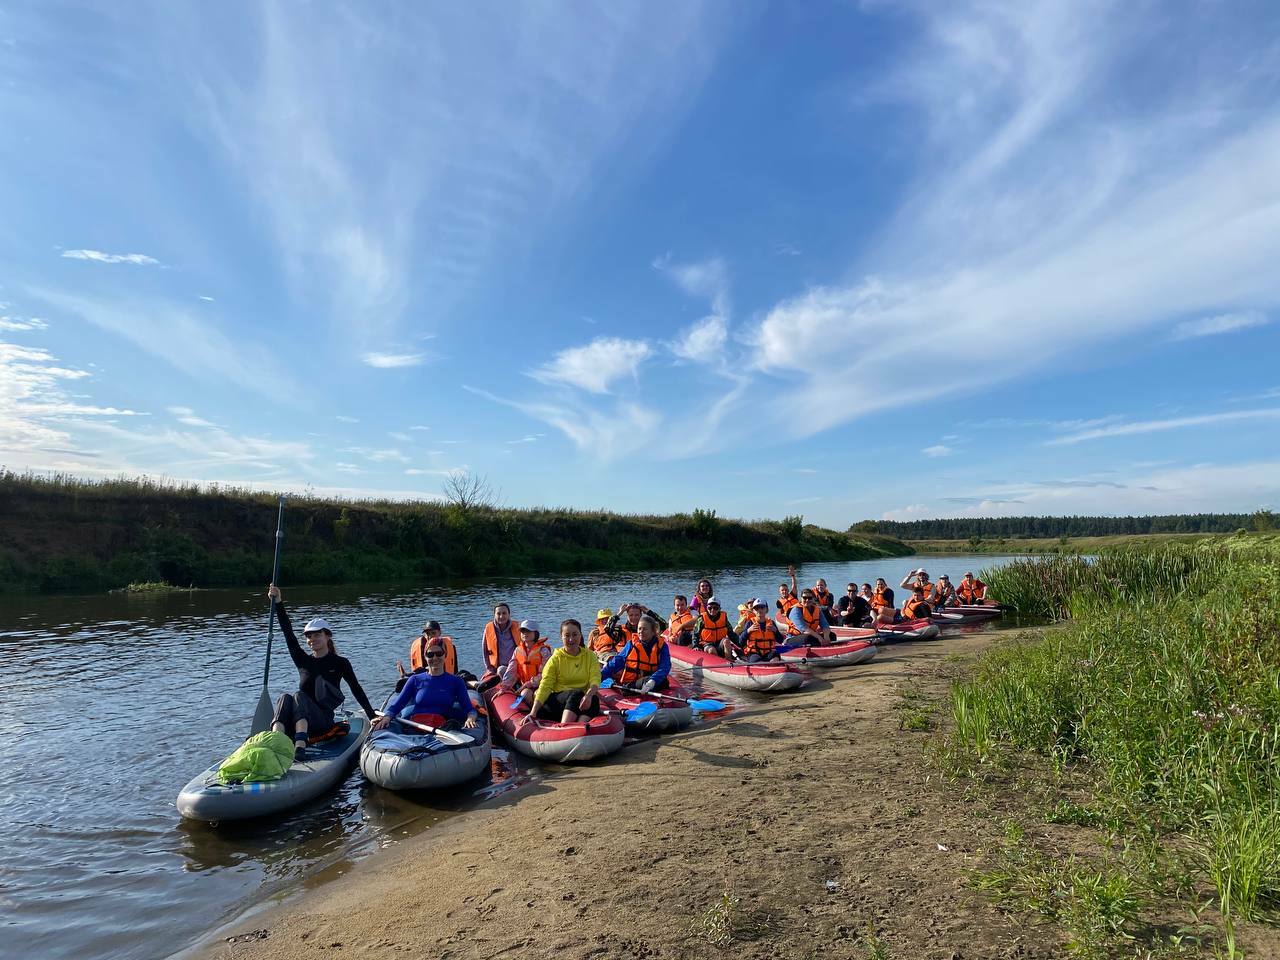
624,631
701,595
744,617
943,593
761,639
431,631
711,631
644,662
971,591
866,593
917,605
320,675
918,578
882,599
681,622
824,597
787,595
600,639
853,609
527,660
570,684
434,697
499,640
810,621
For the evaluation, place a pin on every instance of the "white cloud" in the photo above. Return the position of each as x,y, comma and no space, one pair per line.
388,361
1155,426
401,437
531,438
138,259
377,455
704,341
604,432
937,450
342,467
341,418
803,470
1222,323
19,324
706,279
597,365
206,299
187,417
419,427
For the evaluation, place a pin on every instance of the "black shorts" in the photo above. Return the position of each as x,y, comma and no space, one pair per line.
571,700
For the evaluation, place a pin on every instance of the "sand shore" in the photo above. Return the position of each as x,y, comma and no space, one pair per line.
814,810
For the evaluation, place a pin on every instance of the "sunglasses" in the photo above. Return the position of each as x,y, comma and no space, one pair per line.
438,655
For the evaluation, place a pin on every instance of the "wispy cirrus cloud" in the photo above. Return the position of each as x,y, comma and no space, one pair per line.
938,450
21,324
97,256
606,432
1220,324
595,366
393,361
1172,423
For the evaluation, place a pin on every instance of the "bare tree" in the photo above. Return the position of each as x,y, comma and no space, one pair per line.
469,491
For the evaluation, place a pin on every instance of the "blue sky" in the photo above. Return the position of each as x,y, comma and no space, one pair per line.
846,260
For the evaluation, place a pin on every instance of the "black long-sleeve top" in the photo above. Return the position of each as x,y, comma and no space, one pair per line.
331,666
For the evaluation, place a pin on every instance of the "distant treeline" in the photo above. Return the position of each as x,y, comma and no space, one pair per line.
67,534
1032,528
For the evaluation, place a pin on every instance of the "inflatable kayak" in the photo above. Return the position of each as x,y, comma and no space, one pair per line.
919,629
772,677
845,634
670,715
965,614
413,760
554,741
319,769
844,654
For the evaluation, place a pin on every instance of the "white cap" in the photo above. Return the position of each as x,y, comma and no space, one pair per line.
316,625
530,625
759,602
711,600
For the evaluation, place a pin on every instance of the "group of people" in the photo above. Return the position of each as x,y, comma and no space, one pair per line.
628,647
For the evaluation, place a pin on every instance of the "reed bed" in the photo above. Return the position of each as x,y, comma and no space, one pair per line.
1163,688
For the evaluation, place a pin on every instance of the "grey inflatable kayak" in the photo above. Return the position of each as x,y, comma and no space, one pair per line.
319,769
406,760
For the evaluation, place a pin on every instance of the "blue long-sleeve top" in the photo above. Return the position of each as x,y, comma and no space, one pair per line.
619,660
796,617
445,695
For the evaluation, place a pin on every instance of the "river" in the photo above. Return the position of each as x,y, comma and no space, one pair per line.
113,702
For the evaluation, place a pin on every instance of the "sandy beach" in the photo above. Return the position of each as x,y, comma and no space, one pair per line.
814,811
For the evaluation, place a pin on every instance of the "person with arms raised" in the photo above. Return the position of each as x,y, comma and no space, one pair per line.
918,578
321,673
644,663
787,595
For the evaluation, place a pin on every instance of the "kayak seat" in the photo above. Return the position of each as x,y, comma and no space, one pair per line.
339,729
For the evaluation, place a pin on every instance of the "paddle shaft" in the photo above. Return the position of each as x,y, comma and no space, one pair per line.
456,735
275,576
656,693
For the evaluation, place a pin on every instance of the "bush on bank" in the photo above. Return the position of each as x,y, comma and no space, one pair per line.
64,534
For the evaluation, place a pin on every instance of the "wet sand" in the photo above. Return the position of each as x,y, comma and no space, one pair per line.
814,810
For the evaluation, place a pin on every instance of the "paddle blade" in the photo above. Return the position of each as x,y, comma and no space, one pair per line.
706,706
606,683
647,709
262,714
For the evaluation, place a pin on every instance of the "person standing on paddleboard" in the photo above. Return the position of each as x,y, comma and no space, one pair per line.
309,711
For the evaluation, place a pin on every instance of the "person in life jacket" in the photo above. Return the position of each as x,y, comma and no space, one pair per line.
433,696
417,650
786,600
943,593
810,621
600,640
760,639
712,633
500,639
568,691
881,597
917,605
531,654
681,622
918,578
824,597
701,595
644,663
971,590
624,625
744,617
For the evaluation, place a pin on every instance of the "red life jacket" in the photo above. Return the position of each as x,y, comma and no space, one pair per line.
640,662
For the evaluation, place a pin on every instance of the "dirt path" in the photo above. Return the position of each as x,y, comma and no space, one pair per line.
815,811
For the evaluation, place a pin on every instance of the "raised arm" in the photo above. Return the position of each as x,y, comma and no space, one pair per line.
299,656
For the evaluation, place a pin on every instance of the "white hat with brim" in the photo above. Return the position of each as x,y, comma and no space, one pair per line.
530,625
316,625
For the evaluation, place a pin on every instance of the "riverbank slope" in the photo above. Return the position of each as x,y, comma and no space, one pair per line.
63,534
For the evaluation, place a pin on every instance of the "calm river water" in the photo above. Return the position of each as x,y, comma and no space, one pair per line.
112,703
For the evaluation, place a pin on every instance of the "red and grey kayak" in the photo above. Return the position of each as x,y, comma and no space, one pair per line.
554,741
671,714
766,677
845,654
918,629
845,634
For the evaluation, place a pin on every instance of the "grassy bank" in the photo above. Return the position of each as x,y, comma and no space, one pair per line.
1055,545
69,534
1160,697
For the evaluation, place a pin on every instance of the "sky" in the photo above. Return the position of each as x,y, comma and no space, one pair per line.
842,260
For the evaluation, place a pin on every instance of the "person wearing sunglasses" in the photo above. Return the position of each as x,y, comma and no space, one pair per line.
853,608
436,698
712,633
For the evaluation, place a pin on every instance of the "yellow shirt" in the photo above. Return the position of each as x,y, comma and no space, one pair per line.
564,672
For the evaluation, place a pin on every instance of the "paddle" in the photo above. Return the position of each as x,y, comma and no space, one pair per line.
448,736
263,713
702,706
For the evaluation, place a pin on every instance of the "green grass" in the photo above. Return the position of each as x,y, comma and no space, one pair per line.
62,534
1164,685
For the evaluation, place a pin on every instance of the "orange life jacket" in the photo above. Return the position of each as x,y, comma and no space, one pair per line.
640,662
785,604
679,621
491,643
418,654
972,592
713,631
878,600
601,641
943,594
760,639
814,621
927,587
824,597
628,633
528,661
910,607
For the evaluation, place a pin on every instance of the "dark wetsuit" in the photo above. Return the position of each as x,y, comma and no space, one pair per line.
314,703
